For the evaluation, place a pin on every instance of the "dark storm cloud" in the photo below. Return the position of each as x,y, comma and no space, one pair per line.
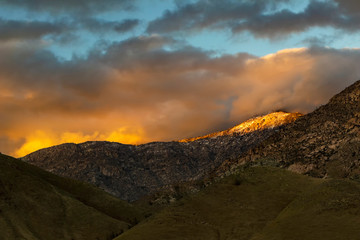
63,30
66,20
323,40
70,6
351,6
262,18
21,30
203,14
100,26
286,21
127,25
29,67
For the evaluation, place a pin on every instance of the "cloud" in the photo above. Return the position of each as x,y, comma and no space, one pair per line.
100,26
40,139
63,30
265,19
295,79
351,6
323,40
21,30
63,22
154,88
127,25
84,7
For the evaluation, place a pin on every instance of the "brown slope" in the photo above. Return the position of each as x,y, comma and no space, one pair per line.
323,143
131,172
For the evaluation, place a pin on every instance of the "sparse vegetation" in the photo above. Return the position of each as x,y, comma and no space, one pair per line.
260,203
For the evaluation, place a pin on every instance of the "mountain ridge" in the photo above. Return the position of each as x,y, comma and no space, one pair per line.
133,171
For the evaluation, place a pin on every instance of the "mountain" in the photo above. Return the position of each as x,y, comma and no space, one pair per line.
260,203
271,120
130,172
324,143
35,204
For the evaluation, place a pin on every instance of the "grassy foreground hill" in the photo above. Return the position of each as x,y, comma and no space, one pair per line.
35,204
260,203
255,203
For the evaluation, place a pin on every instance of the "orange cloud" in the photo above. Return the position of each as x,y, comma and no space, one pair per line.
36,141
42,139
126,136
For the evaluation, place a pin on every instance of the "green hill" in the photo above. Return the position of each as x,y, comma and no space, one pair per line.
35,204
256,203
260,203
328,211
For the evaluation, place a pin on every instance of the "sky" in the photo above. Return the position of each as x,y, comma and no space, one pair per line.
136,71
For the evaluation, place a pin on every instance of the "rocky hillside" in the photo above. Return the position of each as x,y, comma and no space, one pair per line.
130,172
271,120
323,143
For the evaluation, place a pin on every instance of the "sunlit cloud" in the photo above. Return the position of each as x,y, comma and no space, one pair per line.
135,91
42,139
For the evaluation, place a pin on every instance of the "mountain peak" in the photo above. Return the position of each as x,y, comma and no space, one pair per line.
271,120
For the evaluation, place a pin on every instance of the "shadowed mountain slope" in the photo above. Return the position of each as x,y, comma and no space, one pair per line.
131,172
35,204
